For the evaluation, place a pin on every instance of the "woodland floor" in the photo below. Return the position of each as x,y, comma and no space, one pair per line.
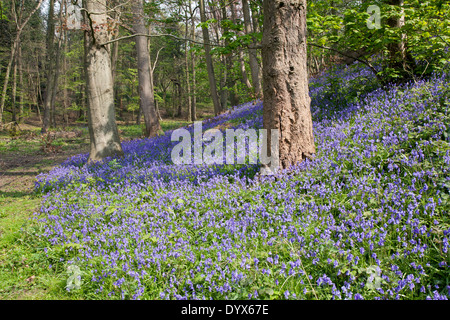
22,158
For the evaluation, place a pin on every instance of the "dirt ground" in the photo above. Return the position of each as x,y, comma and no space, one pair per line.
20,165
18,173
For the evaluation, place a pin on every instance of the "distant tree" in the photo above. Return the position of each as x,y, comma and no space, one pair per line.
208,57
146,91
20,25
253,58
285,78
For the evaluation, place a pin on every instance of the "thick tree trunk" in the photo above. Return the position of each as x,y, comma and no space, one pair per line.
253,55
146,94
209,63
105,141
286,94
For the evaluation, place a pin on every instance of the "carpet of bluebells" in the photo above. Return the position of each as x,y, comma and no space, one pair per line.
367,218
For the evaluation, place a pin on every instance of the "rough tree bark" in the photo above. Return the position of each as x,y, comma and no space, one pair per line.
286,94
209,63
146,94
104,135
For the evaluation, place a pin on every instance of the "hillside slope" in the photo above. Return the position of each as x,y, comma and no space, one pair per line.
368,218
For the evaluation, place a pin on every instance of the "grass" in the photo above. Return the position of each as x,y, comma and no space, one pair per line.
24,272
24,268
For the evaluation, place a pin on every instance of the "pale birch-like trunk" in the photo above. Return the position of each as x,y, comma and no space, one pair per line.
104,135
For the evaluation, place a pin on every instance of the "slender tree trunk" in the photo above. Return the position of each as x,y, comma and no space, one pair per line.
223,92
5,84
21,92
13,57
104,135
50,67
399,57
286,94
194,86
244,77
186,61
209,63
56,80
14,92
253,55
65,91
146,94
230,79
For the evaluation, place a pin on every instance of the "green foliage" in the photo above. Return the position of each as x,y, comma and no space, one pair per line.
425,33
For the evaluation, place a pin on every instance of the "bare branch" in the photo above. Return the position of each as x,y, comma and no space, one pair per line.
367,63
156,59
157,35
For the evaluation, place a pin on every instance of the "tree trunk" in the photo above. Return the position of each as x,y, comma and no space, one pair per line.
65,91
146,94
186,61
14,92
253,55
194,87
104,135
230,79
56,79
209,63
244,77
399,58
50,67
21,93
14,45
223,91
286,94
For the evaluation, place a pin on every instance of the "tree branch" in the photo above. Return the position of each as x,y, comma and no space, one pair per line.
157,35
367,63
